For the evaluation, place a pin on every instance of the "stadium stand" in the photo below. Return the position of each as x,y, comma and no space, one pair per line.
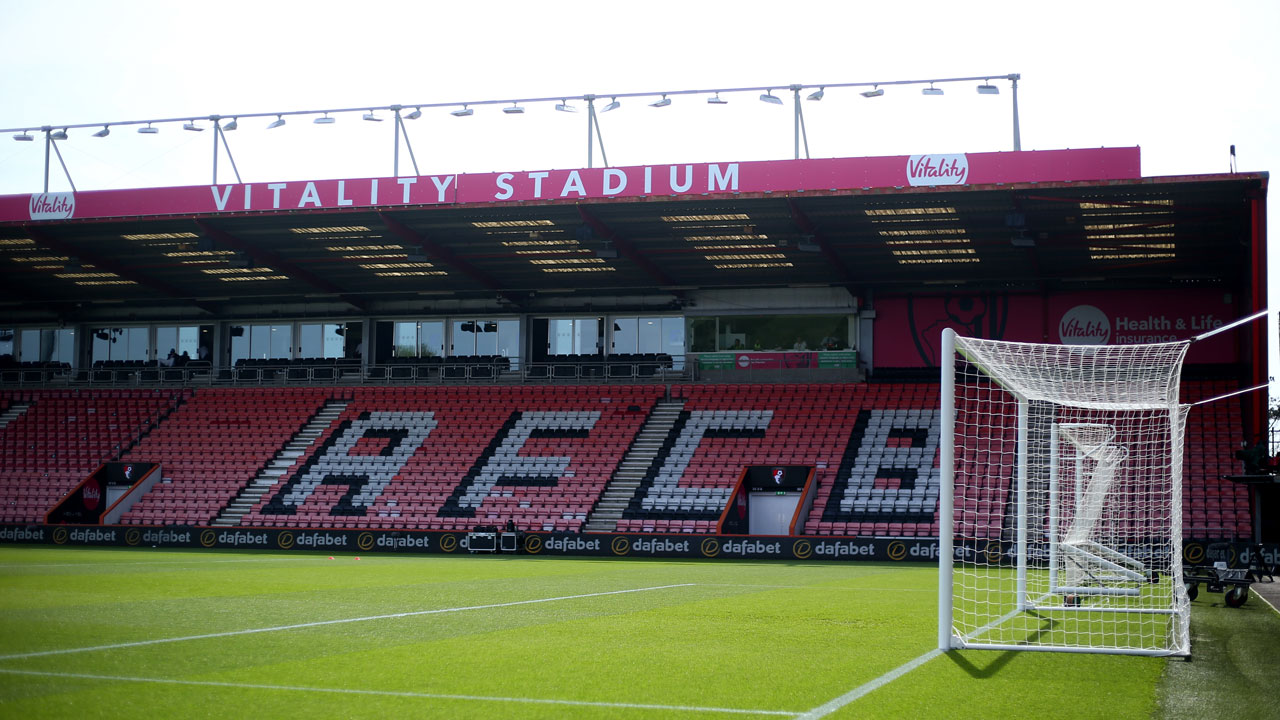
63,435
723,428
1213,507
215,444
537,456
541,456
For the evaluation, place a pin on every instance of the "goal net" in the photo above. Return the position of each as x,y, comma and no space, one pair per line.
1061,507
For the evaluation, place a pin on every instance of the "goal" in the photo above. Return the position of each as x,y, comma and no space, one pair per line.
1061,506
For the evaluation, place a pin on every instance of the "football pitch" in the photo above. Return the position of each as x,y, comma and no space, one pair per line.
157,633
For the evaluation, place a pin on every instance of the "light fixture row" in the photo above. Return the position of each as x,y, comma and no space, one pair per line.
986,88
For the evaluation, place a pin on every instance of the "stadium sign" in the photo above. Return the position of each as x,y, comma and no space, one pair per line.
617,545
688,179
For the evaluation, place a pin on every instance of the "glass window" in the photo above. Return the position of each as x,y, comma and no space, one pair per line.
259,341
702,334
431,338
587,337
311,340
624,336
30,346
650,333
560,337
48,345
167,342
464,338
116,344
6,342
334,336
137,343
486,337
179,341
405,340
509,341
239,343
188,343
673,340
770,332
424,338
281,341
320,340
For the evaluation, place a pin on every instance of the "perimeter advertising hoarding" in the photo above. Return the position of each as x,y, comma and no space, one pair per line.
597,545
908,329
726,178
815,547
778,360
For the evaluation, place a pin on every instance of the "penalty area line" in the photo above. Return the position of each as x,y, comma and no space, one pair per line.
401,693
862,690
340,621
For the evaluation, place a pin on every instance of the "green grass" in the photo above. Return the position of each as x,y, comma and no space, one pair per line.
732,635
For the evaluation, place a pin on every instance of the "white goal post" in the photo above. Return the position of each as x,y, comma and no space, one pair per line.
1060,513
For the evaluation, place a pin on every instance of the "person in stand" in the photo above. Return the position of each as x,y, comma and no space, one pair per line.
170,358
183,359
800,344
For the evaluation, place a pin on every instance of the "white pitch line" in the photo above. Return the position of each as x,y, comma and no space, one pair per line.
818,587
319,623
861,690
407,694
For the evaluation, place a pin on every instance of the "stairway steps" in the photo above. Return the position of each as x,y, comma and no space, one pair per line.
287,457
631,471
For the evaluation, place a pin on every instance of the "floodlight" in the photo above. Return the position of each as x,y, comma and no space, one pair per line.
877,92
192,126
931,90
988,89
770,98
563,106
464,112
612,105
105,131
371,117
279,121
513,110
324,120
23,137
58,134
417,113
817,95
716,100
665,101
148,130
231,125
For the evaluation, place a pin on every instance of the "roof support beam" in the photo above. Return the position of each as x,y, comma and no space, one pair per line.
807,227
278,263
105,263
625,247
446,256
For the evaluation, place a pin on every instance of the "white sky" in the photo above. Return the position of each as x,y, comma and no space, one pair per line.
1182,80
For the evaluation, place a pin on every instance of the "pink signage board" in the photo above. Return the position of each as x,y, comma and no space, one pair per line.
728,178
908,328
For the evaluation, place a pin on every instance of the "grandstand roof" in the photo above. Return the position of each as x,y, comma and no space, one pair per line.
1089,221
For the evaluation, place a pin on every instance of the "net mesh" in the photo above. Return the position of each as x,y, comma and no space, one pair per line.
1066,497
